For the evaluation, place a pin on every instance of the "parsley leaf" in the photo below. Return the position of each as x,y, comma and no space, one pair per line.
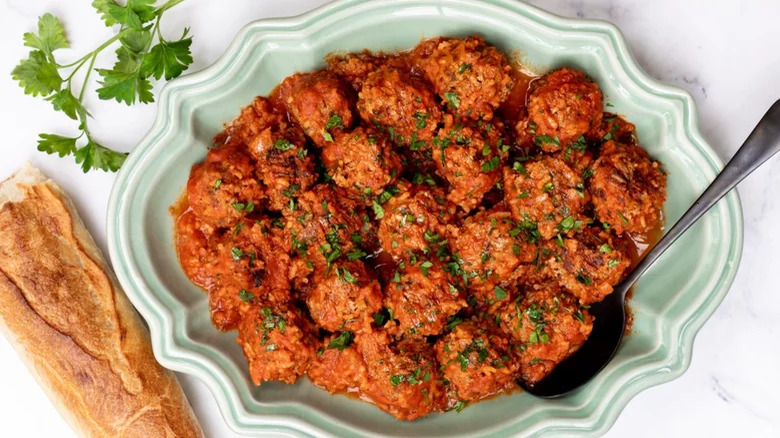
453,99
95,156
50,37
168,58
342,341
56,144
37,75
490,165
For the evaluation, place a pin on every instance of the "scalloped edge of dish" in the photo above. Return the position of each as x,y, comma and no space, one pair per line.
159,317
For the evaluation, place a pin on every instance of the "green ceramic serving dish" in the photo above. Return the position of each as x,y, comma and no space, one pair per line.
671,302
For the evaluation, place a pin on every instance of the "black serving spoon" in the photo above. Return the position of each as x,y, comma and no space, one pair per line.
610,314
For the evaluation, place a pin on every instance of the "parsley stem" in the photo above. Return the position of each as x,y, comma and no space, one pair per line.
168,5
98,49
86,77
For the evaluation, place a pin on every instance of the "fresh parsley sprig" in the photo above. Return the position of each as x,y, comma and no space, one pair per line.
143,54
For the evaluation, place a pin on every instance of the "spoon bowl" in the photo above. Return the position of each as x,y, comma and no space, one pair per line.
610,314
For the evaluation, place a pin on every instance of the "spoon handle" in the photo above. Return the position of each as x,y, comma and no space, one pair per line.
762,143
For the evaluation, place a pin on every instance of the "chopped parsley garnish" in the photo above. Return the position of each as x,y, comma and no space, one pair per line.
612,263
568,223
546,139
491,164
347,276
379,319
342,341
463,67
379,212
548,187
283,144
622,218
584,279
246,296
356,254
334,121
424,266
605,248
519,168
500,293
217,183
421,119
236,253
452,99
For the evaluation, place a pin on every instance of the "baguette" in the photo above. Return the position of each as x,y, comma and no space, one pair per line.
65,315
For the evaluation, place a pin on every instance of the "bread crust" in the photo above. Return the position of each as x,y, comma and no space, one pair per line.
66,316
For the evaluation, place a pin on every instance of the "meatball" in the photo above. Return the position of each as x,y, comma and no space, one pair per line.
345,297
402,377
470,160
320,103
195,253
472,77
476,361
278,343
336,369
355,67
283,163
629,189
222,189
490,247
402,105
362,161
321,228
422,297
407,218
588,264
616,128
546,192
253,119
545,326
249,266
564,105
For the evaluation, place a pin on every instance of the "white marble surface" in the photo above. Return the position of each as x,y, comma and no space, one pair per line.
724,52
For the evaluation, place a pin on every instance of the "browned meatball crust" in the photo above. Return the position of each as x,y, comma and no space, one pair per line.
422,297
362,161
564,105
476,360
320,103
355,67
588,264
629,189
278,343
546,326
250,266
470,159
546,192
336,369
490,246
616,128
222,189
401,105
407,218
403,377
283,163
471,77
345,297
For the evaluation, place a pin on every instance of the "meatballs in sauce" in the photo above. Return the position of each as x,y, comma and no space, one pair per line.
421,229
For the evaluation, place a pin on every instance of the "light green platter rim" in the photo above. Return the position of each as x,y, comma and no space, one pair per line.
593,417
